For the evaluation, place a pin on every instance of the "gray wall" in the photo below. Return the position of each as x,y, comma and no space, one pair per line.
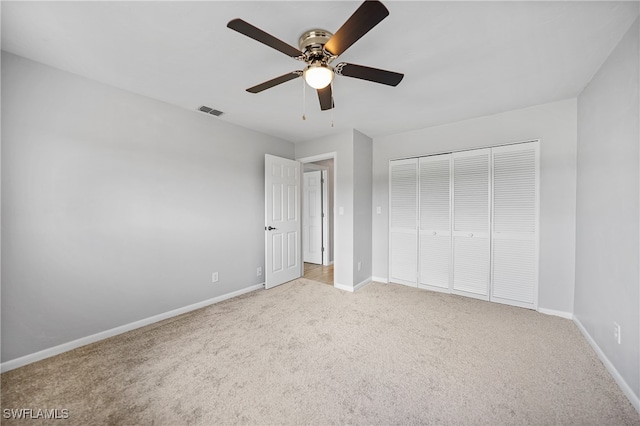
607,255
555,125
362,199
117,207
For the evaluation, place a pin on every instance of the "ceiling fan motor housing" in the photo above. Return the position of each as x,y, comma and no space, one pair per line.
312,44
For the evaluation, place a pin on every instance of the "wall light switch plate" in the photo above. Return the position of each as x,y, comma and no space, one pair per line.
341,211
214,277
379,210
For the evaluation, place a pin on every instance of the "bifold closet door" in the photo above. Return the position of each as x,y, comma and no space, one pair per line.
435,222
471,221
515,225
403,218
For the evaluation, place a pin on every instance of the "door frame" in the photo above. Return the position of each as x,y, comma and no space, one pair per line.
325,206
325,235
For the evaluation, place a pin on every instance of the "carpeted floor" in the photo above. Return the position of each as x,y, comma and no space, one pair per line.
306,353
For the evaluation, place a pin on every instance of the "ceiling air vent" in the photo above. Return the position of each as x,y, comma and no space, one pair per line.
210,111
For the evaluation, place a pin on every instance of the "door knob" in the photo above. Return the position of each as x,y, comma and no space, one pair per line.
270,228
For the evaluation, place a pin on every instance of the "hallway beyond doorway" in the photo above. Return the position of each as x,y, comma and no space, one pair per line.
320,273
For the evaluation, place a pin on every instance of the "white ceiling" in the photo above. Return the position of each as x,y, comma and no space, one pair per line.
460,59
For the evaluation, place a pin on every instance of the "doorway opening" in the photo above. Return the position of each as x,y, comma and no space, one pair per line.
318,217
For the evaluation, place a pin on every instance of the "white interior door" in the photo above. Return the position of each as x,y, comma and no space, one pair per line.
435,222
282,220
312,217
403,221
471,238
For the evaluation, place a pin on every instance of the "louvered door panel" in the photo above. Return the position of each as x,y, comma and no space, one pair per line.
404,181
471,190
403,236
514,191
514,270
403,258
435,261
515,224
471,244
435,194
471,265
435,222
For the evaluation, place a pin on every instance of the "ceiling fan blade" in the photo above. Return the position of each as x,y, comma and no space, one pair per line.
376,75
367,16
326,98
274,82
257,34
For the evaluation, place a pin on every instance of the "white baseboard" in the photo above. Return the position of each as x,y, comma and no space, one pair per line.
380,279
56,350
343,287
362,284
352,289
567,315
626,389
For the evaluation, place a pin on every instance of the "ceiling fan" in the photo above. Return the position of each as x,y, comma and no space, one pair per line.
318,48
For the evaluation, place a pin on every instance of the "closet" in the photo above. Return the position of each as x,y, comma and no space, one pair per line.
467,223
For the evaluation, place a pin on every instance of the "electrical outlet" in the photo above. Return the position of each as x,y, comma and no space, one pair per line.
214,277
359,265
617,333
259,271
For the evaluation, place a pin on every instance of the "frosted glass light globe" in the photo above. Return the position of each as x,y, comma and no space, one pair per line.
318,76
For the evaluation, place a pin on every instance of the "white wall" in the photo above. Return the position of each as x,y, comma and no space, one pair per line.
555,125
607,255
116,207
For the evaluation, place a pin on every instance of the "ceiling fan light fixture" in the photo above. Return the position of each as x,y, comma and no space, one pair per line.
318,75
318,48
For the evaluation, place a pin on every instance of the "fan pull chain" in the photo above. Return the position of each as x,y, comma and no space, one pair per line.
304,100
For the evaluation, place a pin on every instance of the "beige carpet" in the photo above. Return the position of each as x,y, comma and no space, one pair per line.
306,353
